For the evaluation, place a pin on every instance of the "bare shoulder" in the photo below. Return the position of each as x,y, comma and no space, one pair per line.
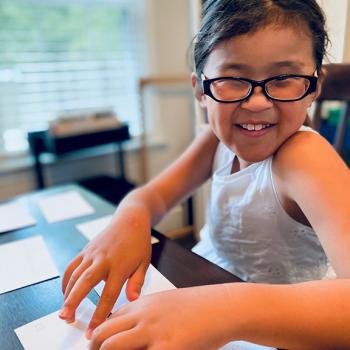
308,171
310,154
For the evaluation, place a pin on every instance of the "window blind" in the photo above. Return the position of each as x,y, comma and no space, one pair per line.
63,57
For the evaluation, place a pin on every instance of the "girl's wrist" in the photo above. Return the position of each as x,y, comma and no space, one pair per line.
224,316
134,216
243,310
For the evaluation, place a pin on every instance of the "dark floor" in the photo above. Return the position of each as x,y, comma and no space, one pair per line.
114,189
187,241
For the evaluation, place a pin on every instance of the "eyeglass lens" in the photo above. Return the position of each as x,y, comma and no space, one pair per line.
280,88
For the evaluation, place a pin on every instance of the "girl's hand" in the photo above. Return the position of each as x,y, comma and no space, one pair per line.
121,252
189,318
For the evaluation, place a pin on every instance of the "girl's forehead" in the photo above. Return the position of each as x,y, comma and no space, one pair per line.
266,49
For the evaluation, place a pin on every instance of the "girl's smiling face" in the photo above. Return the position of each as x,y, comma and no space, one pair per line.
268,52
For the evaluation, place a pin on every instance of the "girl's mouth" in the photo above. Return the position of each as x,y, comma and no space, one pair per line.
254,127
254,130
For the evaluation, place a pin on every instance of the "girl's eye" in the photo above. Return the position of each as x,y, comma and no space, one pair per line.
281,81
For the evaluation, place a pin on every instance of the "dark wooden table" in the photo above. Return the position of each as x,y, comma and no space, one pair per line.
180,266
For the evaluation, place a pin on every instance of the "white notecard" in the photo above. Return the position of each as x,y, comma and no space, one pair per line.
242,345
25,262
154,282
14,216
51,333
90,229
64,206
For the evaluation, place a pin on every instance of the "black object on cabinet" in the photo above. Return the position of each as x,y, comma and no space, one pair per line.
109,187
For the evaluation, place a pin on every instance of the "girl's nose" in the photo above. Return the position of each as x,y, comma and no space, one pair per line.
257,101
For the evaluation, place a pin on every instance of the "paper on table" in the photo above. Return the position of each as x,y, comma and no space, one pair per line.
52,333
154,282
25,262
14,216
63,206
90,229
242,345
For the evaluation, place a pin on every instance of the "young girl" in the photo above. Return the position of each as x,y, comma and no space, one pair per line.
279,212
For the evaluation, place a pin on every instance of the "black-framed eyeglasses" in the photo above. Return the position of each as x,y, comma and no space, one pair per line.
284,88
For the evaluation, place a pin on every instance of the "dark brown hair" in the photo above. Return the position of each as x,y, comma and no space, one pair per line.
224,19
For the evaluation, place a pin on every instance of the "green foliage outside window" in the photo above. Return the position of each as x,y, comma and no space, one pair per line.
80,30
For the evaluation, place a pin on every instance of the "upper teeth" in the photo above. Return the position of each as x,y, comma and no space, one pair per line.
254,126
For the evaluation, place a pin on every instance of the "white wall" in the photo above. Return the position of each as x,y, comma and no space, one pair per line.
169,110
168,26
347,37
338,24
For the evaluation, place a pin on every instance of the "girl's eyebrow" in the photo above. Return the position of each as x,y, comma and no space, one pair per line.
234,66
297,65
289,64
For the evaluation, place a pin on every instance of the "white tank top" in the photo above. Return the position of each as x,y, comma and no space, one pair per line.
249,233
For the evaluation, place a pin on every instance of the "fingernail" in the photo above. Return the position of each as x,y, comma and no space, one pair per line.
88,333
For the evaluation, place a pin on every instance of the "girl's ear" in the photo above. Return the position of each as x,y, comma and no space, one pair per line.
320,81
198,90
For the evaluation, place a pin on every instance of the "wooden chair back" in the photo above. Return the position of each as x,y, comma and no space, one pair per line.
336,87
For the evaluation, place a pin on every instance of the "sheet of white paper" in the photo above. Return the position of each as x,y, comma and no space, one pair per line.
90,229
14,216
242,345
25,262
64,206
51,333
154,282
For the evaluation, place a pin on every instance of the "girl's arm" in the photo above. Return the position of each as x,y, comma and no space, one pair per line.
309,172
122,251
306,316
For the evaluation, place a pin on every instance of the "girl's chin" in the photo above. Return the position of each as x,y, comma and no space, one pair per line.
253,157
